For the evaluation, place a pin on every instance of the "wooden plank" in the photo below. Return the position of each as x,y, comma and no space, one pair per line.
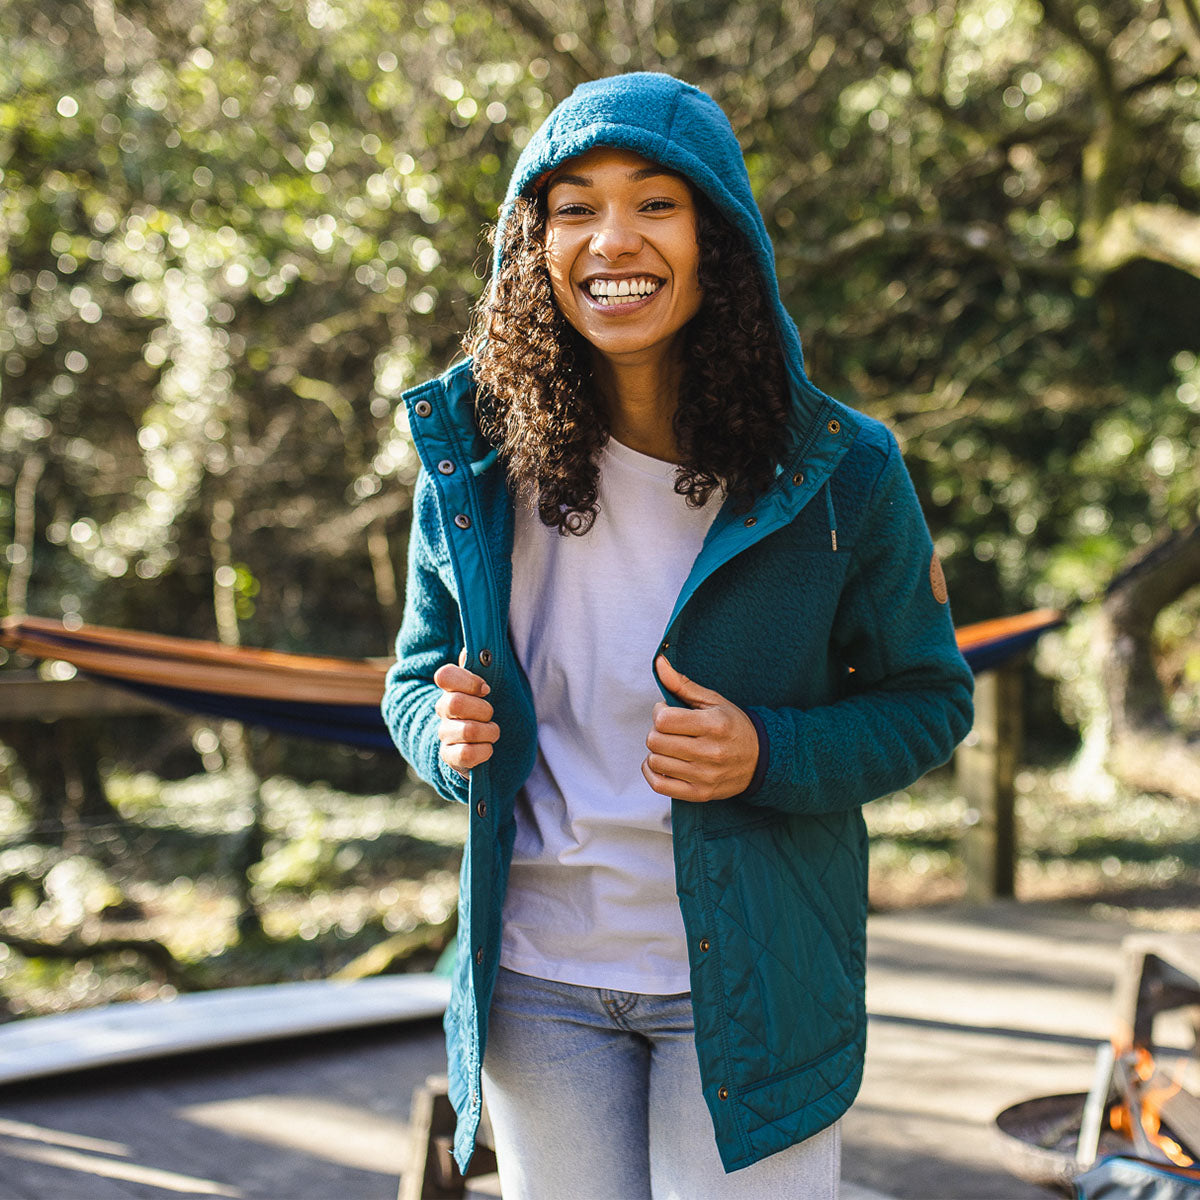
134,1031
52,699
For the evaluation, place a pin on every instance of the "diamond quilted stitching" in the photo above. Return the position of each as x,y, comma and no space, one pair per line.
790,859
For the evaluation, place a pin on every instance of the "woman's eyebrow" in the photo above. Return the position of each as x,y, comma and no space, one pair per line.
634,176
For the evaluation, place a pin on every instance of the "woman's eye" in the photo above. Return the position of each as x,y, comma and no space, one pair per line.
571,210
659,205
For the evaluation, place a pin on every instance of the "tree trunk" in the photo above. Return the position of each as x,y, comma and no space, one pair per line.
61,764
1147,750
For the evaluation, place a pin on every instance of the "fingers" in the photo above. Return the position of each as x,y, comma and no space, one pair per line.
463,757
691,722
458,679
685,771
466,744
467,732
677,789
462,706
708,751
681,748
466,729
683,687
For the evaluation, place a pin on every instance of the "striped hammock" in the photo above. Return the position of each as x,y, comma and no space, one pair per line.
334,699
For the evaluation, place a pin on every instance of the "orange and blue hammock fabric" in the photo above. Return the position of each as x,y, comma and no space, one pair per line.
334,699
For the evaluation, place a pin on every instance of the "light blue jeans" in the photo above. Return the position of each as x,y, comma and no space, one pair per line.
595,1095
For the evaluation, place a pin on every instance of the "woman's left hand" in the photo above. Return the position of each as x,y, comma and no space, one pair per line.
706,751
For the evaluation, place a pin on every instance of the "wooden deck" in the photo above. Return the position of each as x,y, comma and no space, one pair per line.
972,1010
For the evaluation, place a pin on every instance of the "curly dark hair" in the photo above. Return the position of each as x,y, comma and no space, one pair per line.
537,398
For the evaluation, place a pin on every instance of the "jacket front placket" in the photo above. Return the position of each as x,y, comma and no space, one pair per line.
441,436
734,531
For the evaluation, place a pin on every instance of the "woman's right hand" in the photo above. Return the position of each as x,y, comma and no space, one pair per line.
466,730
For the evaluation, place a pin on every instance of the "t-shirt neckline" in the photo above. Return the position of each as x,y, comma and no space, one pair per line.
647,464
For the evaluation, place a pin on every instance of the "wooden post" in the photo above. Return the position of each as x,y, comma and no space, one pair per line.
986,768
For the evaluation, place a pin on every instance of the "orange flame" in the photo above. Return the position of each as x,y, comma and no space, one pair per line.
1150,1102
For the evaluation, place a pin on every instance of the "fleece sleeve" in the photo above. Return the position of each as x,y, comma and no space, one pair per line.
430,635
907,702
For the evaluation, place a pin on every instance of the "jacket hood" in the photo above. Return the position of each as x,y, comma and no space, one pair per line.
681,127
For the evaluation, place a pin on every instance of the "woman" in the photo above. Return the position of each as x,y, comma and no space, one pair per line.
673,616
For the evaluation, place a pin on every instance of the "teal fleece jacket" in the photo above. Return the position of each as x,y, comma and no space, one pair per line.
820,611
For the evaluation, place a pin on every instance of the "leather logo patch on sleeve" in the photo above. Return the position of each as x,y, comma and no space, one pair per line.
937,579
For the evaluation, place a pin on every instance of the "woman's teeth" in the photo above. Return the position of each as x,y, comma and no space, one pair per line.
621,291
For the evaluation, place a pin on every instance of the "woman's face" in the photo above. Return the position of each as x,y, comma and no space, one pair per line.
622,253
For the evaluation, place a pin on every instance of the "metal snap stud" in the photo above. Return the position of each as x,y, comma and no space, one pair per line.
462,521
422,408
485,658
479,955
704,945
798,478
750,521
446,467
834,426
481,808
722,1093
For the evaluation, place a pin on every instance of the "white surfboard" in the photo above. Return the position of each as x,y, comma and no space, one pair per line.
127,1032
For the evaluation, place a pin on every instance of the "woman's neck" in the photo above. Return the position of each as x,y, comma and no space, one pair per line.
642,398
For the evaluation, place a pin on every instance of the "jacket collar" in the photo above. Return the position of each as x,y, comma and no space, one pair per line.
441,415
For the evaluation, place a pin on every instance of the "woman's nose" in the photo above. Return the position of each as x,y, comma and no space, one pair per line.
615,237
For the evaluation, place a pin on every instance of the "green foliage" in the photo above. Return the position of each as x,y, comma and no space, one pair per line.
342,873
222,259
231,233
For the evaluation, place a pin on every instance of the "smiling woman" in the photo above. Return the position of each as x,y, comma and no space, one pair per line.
669,624
623,260
558,379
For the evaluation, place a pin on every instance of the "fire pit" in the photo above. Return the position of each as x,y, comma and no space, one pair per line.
1040,1140
1135,1108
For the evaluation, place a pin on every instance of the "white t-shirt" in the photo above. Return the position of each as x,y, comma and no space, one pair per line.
591,895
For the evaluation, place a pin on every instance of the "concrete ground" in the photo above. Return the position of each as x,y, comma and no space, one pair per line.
971,1010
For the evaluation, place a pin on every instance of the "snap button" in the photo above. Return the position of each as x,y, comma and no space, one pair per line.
422,408
462,521
722,1093
485,658
834,426
446,467
704,945
479,955
481,808
798,478
664,647
750,521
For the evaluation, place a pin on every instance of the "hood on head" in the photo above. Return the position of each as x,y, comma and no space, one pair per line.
681,127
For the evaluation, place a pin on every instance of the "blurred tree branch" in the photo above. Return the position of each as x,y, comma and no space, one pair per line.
1148,750
158,957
